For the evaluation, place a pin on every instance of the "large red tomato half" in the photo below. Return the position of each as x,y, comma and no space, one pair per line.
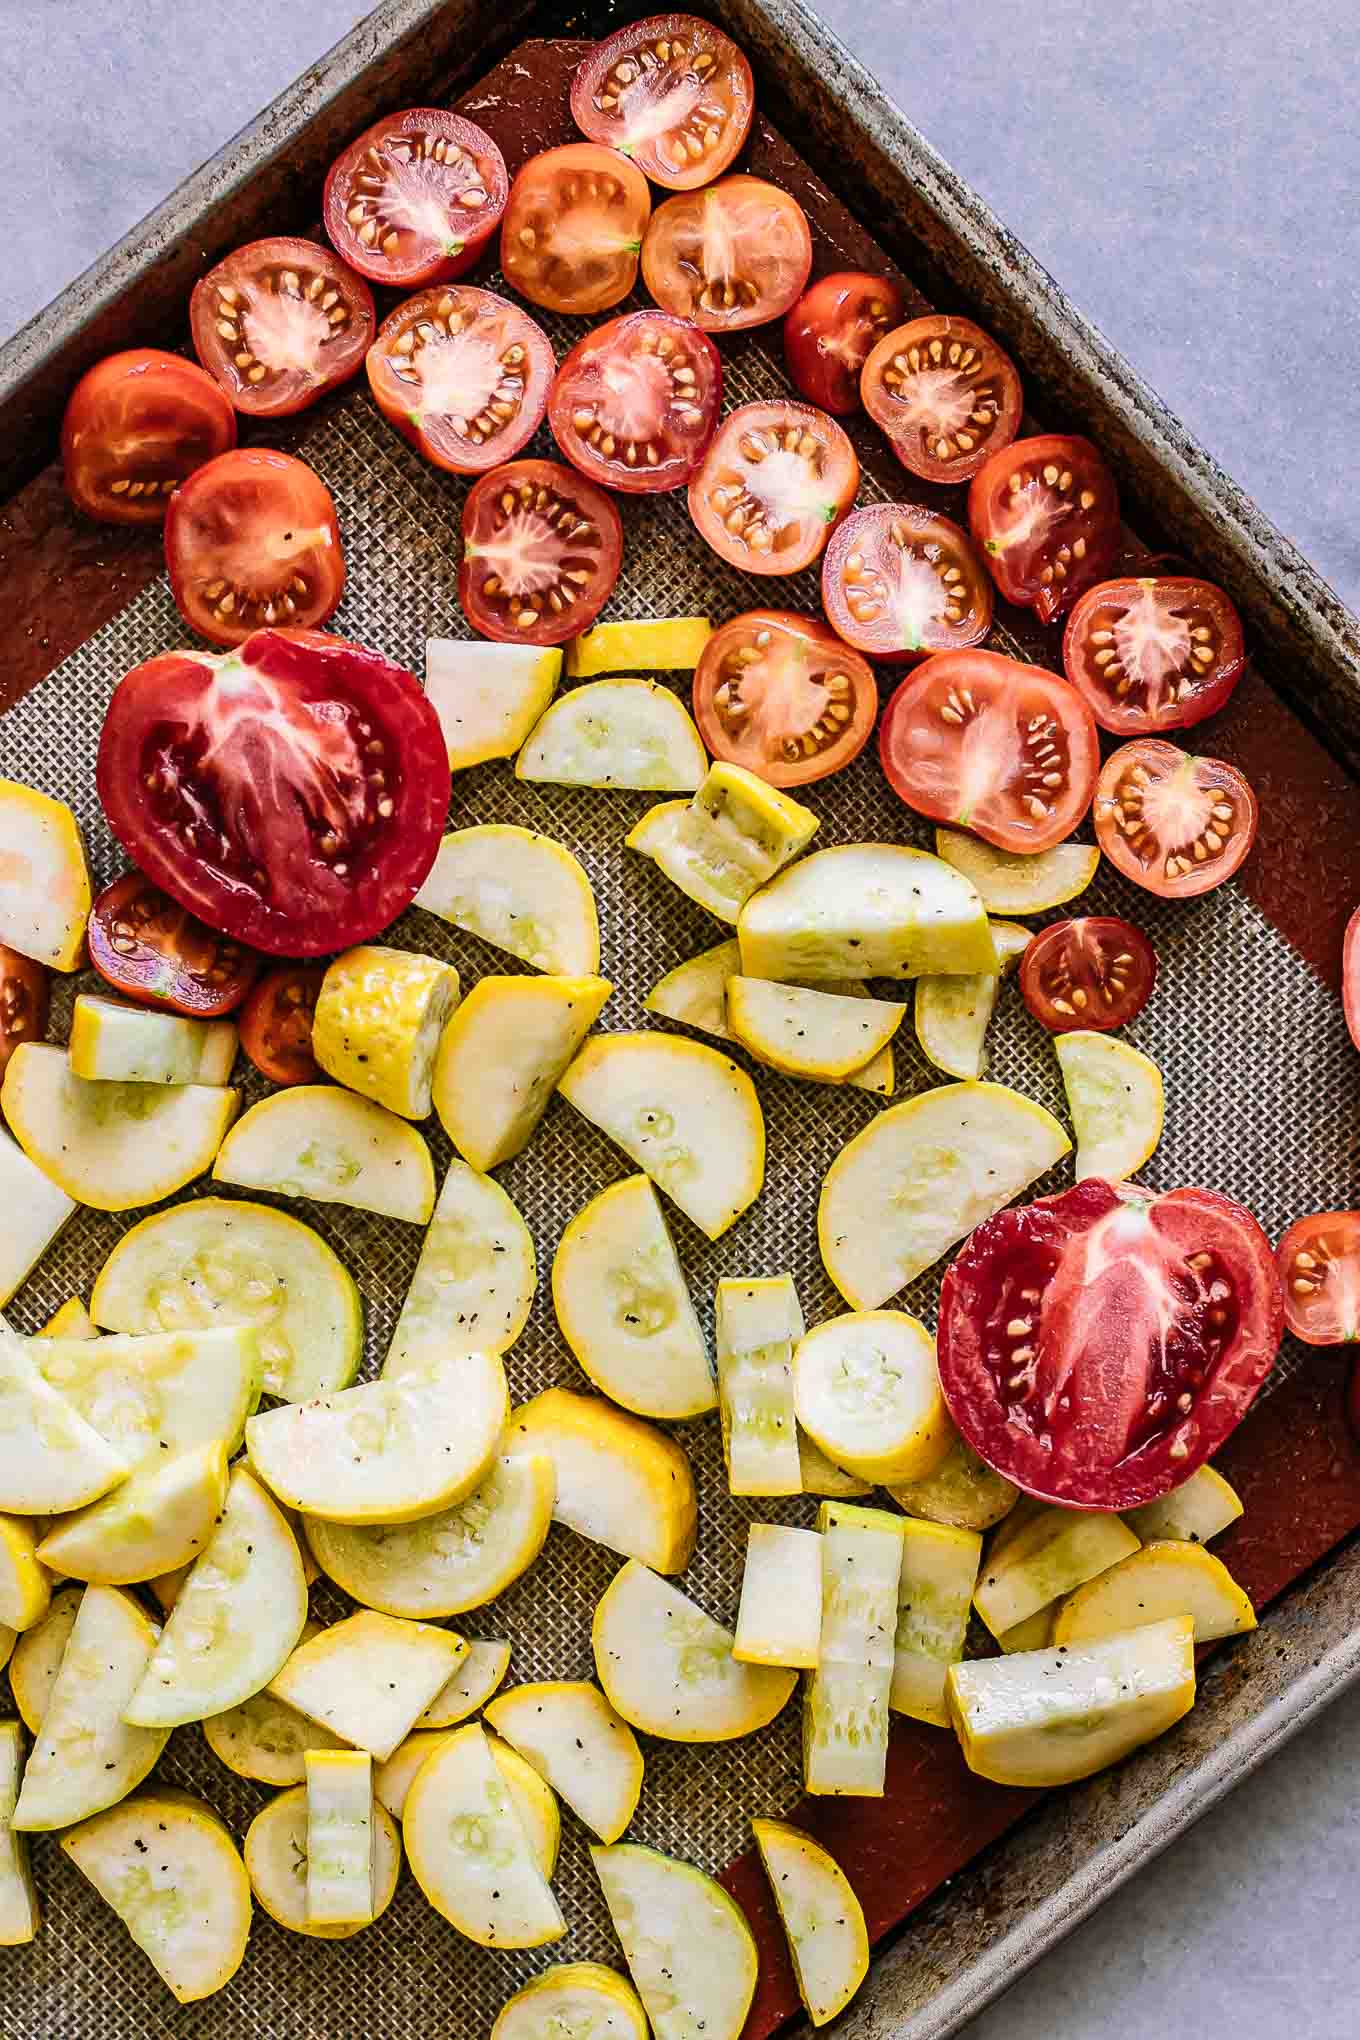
290,792
1096,1347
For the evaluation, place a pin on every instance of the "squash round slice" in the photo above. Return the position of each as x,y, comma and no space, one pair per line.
1008,882
655,644
573,2000
35,1209
1164,1578
37,1657
865,1387
632,735
920,1177
488,697
696,992
808,1033
667,1667
378,1019
623,1307
617,1480
156,1520
865,910
519,891
532,1798
51,1460
469,1850
573,1738
687,1944
266,1739
115,1043
445,1563
276,1864
475,1279
112,1146
25,1585
155,1394
369,1678
172,1873
216,1261
1115,1096
820,1914
471,1686
45,899
318,1141
391,1450
501,1056
962,1491
683,1113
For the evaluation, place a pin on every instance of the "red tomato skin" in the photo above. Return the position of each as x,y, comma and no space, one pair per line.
1309,1312
1093,1016
1210,694
822,367
592,502
394,398
25,994
1018,577
154,970
1350,976
734,91
142,390
208,309
290,1061
202,507
470,230
588,359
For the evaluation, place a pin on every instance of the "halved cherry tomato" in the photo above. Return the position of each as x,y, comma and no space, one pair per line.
290,793
1096,1347
279,323
1006,750
1350,976
1319,1263
252,539
541,553
1045,514
25,990
1095,972
830,332
136,425
149,948
773,486
673,92
1175,824
1153,654
900,581
463,374
276,1023
735,254
573,228
946,395
781,695
636,402
416,198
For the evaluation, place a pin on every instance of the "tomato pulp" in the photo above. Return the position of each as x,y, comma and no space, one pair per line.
899,582
276,1023
25,989
1319,1262
252,539
773,485
1094,972
541,553
831,331
136,426
149,948
1175,824
1045,514
944,392
573,228
735,254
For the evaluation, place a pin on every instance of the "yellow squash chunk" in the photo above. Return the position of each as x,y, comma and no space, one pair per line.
622,1305
1049,1554
19,1915
172,1873
808,1033
572,1736
1049,1717
369,1678
696,992
391,1450
502,1055
266,1739
662,644
962,1491
278,1862
1164,1578
934,1595
341,1839
820,1914
72,1321
235,1620
25,1585
952,1016
153,1395
8,1638
687,1944
735,834
573,2001
51,1460
921,1176
758,1325
845,1701
1034,1633
36,1209
1115,1097
683,1113
115,1043
1195,1511
86,1756
667,1667
379,1016
153,1522
617,1480
866,1388
44,879
469,1849
821,1476
475,1279
779,1621
471,1686
518,891
112,1146
445,1563
532,1798
865,910
488,697
318,1141
37,1657
633,735
1009,882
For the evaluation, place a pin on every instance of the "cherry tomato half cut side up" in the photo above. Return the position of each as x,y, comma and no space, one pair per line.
1319,1263
673,92
25,990
773,486
1094,972
290,793
136,426
276,1023
1175,824
573,228
1098,1346
1154,654
900,582
252,539
279,323
416,198
982,742
463,374
150,948
636,402
831,331
1045,514
541,553
946,395
736,254
1350,976
781,695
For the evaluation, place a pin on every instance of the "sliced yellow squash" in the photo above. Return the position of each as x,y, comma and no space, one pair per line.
758,1325
617,1480
962,1491
25,1585
72,1321
865,910
472,1684
866,1389
735,834
1164,1578
821,1476
44,879
779,1621
952,1016
809,1033
667,1667
661,644
687,1944
1196,1511
502,1055
1051,1552
823,1919
475,1279
934,1596
379,1015
8,1638
277,1860
488,697
115,1043
696,992
51,1460
19,1914
36,1209
574,1739
155,1521
266,1739
531,1797
1034,1633
154,1395
37,1657
369,1678
469,1849
629,735
86,1756
1115,1097
1009,882
520,892
318,1141
341,1838
573,2001
845,1700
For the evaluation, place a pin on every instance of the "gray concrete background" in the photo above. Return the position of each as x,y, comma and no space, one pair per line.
1192,176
